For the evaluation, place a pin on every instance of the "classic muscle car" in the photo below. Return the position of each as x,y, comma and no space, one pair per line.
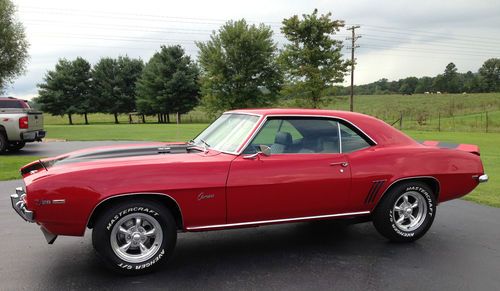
249,168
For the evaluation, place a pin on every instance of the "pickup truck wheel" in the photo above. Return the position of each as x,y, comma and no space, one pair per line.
135,237
406,212
14,147
3,142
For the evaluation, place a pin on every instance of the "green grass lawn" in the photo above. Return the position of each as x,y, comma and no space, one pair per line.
9,166
154,132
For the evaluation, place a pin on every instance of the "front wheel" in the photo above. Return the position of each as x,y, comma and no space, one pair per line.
135,237
406,212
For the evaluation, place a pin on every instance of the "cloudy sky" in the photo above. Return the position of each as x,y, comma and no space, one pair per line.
399,38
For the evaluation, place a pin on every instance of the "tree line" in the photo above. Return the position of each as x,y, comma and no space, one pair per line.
486,79
239,66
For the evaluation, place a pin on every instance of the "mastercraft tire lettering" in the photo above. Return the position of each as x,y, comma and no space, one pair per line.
406,212
135,237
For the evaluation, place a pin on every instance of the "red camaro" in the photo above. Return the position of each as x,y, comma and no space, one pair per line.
248,168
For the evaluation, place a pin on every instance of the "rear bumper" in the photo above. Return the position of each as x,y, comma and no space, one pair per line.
33,135
483,178
19,205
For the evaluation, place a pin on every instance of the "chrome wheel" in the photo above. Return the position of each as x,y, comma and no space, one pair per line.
136,237
409,211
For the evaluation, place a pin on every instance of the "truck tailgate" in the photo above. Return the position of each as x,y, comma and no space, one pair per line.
35,121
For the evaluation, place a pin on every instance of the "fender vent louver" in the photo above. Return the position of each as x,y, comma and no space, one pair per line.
376,185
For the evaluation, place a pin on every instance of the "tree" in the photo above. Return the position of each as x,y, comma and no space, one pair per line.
168,83
451,79
66,89
113,83
490,73
471,82
312,60
239,66
408,85
424,85
13,45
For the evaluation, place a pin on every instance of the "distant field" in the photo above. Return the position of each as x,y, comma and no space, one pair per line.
447,112
150,131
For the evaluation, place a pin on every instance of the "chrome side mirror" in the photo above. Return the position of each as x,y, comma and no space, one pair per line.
263,150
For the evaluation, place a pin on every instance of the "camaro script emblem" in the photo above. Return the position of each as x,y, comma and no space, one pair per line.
203,196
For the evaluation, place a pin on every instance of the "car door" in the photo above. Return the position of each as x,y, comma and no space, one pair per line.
305,174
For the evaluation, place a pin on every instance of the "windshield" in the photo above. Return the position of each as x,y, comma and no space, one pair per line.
227,133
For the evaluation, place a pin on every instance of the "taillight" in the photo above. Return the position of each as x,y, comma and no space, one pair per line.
23,122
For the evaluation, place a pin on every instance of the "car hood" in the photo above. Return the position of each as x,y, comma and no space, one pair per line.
114,155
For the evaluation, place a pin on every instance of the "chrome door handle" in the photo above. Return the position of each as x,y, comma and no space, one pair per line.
343,164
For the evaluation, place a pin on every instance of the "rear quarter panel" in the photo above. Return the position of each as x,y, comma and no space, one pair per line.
453,169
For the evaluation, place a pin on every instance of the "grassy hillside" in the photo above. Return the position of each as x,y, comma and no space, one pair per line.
445,112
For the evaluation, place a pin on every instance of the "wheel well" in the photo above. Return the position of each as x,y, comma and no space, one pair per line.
432,182
2,131
164,200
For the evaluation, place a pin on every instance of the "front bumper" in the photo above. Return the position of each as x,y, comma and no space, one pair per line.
19,204
18,201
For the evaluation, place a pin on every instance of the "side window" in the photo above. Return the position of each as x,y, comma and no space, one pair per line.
351,141
298,135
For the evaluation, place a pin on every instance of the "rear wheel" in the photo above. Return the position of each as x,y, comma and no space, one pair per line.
135,237
15,146
406,212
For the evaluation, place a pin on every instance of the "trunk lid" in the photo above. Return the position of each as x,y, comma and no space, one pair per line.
470,148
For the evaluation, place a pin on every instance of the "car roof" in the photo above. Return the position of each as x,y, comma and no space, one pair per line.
376,129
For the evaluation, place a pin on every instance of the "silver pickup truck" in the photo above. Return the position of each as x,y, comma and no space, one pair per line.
19,124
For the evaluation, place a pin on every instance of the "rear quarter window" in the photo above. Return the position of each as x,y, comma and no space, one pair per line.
351,141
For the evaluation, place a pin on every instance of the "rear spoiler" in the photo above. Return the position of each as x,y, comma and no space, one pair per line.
470,148
32,168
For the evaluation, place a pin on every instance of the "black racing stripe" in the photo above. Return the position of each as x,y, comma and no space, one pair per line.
111,153
447,145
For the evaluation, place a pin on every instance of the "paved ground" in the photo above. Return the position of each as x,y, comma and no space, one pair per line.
461,252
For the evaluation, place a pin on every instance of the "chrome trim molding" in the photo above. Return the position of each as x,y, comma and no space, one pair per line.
262,222
264,118
483,178
339,132
133,194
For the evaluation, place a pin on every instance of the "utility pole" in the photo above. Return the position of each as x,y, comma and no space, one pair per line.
353,39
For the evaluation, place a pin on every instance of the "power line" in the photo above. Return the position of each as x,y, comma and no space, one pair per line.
353,39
